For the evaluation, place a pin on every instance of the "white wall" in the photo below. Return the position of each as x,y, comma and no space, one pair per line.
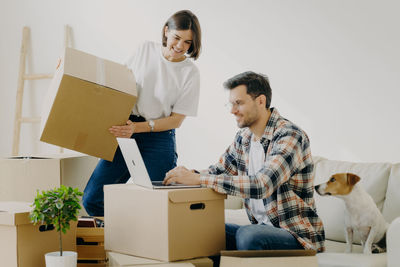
333,65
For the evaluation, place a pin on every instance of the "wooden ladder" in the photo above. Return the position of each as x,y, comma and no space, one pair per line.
22,77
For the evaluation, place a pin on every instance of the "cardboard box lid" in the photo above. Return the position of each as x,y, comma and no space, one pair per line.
193,194
268,253
47,156
174,195
118,259
14,213
100,71
26,157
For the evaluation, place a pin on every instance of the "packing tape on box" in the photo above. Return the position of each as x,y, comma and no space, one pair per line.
80,141
100,73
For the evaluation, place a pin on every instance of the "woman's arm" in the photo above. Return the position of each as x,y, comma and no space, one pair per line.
172,122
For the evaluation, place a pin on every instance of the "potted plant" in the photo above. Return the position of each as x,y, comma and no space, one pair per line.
57,207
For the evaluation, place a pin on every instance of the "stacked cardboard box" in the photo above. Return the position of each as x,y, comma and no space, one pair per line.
165,225
86,97
90,244
23,244
21,177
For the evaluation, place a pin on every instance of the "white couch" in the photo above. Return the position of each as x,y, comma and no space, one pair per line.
382,182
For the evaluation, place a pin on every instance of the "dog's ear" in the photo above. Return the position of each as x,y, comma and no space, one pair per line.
352,179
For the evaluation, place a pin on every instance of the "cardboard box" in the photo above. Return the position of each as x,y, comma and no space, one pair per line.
165,224
90,243
20,177
22,244
261,258
86,97
117,260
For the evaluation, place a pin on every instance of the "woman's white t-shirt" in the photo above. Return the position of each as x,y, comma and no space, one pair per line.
163,86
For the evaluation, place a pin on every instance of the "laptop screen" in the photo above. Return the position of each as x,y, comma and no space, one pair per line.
134,162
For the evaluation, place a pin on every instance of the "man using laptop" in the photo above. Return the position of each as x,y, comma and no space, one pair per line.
269,165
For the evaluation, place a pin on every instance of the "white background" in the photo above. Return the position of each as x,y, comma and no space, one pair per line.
333,66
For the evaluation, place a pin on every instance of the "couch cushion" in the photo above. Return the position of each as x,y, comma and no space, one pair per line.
391,207
351,260
340,247
335,256
374,179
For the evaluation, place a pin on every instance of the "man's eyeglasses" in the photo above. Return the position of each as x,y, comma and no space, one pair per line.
237,103
229,106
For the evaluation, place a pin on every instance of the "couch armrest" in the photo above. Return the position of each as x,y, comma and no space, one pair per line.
393,243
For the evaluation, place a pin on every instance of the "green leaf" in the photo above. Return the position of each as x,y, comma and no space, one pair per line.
59,205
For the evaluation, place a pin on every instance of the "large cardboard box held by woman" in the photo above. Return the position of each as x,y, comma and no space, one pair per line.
86,97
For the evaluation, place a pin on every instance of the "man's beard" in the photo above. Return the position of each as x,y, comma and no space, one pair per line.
249,120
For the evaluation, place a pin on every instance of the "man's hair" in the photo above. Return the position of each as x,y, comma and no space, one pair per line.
256,83
185,20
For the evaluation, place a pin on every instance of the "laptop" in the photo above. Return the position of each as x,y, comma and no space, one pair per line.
137,168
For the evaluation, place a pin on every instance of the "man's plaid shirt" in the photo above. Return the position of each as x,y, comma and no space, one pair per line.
285,183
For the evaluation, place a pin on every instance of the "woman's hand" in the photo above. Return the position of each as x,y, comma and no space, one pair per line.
124,131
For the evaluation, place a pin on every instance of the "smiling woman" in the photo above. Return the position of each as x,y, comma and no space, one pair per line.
168,85
178,43
189,28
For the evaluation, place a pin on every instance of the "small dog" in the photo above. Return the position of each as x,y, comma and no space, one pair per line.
361,215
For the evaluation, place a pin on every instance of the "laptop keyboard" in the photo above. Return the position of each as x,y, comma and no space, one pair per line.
160,183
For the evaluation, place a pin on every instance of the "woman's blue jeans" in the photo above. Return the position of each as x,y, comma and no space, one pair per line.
158,150
259,237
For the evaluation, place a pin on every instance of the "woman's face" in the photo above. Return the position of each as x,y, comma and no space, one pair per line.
178,43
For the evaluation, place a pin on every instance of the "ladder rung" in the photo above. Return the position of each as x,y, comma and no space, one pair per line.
30,119
37,76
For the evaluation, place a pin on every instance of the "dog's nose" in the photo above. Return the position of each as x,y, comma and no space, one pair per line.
316,187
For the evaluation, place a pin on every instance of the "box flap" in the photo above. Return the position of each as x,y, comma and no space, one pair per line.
14,213
62,156
27,157
119,259
30,160
100,71
58,156
268,253
193,194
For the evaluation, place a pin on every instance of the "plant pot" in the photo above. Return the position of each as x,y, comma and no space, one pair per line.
68,259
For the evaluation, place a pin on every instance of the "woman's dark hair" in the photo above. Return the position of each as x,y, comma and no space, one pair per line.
185,20
256,84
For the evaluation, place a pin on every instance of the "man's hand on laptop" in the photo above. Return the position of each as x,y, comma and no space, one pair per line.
181,175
